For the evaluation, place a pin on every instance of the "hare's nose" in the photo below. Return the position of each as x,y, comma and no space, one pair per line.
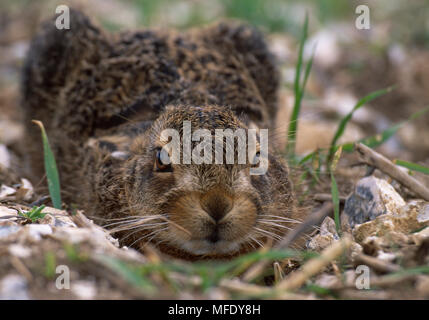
217,204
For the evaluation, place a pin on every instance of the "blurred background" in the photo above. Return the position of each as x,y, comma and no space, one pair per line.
348,63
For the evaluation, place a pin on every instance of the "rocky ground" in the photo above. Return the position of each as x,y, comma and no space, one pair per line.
384,236
384,208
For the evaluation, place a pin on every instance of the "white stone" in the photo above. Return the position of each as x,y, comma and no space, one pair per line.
25,184
386,256
19,250
36,231
327,49
84,289
13,287
423,215
372,197
4,156
6,191
5,211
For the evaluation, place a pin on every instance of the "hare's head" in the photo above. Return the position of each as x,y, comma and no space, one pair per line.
204,184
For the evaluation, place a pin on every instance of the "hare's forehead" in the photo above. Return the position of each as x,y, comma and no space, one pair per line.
208,117
211,175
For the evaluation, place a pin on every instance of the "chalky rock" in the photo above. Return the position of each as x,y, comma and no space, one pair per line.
6,191
372,197
24,246
400,228
423,215
13,287
326,236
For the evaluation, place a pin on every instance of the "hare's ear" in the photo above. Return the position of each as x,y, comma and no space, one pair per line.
253,125
113,147
53,55
261,63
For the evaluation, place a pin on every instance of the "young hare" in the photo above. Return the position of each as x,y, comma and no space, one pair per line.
105,101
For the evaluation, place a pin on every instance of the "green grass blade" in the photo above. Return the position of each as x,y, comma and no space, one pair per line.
378,139
300,55
307,73
343,124
412,166
307,158
298,98
336,202
51,169
298,91
334,188
129,273
36,213
50,264
336,158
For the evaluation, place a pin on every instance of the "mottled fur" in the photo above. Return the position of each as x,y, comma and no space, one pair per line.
104,99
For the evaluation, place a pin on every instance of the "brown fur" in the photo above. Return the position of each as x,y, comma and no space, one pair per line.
104,100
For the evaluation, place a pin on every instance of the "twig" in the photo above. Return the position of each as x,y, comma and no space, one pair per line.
313,220
20,266
353,294
385,281
11,216
297,278
278,272
237,286
375,159
39,201
376,264
327,197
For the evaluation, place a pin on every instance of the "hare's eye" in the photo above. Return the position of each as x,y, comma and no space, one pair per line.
162,161
256,158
